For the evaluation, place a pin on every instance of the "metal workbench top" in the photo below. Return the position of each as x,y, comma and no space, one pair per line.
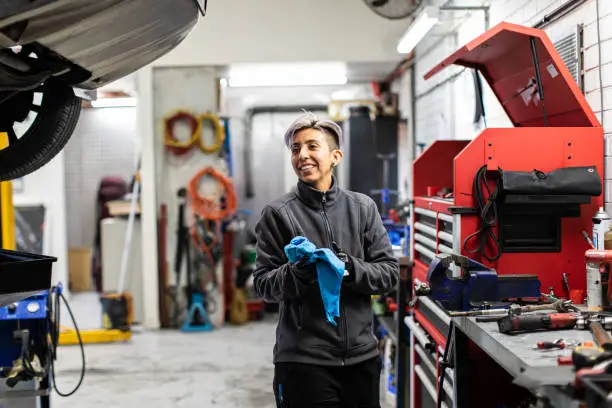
536,370
516,353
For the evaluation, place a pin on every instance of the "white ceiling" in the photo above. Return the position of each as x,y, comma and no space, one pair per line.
361,71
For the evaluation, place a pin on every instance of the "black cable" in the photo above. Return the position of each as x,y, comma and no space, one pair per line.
446,362
479,107
54,323
487,211
26,357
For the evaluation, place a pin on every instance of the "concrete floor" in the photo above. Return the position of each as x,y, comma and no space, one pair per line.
229,367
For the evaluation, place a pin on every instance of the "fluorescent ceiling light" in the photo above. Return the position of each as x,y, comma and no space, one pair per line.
421,25
113,103
287,74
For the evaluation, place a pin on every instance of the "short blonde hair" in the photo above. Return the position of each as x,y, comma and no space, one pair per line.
308,120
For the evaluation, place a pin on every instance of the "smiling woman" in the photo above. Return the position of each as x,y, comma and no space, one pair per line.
318,362
315,150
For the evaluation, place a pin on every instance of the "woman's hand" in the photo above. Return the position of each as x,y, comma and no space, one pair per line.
344,257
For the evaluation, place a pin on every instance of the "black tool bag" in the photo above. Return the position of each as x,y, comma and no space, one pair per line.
583,181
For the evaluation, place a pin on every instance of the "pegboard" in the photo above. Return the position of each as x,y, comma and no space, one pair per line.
104,143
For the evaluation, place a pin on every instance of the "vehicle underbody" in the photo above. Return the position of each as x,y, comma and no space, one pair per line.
50,49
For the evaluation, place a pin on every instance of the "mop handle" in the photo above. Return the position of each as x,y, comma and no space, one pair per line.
128,236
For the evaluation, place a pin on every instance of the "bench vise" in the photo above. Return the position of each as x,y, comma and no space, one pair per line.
476,286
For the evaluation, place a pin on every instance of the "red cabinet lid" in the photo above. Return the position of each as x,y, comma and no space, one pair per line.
503,55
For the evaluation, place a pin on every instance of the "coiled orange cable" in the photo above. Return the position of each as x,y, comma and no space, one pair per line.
210,209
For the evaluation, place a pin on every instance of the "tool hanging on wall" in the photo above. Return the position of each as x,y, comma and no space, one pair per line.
197,317
172,143
207,216
219,133
164,307
195,123
212,210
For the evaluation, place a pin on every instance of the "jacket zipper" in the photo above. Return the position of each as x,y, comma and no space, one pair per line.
332,244
330,233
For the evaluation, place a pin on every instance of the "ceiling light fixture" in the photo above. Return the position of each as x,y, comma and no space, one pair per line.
304,74
418,29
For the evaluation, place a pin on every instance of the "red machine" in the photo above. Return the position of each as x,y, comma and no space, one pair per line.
554,128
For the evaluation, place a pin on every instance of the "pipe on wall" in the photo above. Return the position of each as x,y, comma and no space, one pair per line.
559,12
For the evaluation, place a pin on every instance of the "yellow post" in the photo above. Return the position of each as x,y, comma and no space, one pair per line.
7,211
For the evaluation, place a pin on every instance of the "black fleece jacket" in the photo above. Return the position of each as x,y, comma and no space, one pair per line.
337,217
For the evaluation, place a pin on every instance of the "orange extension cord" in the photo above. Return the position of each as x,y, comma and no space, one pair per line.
211,210
207,209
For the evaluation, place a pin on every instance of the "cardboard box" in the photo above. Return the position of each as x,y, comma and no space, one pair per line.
79,269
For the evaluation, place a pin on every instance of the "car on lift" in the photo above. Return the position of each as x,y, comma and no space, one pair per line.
54,53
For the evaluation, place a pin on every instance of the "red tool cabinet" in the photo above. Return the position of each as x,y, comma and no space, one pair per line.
552,129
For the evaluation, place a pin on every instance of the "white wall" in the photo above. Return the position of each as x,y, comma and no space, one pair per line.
444,113
47,186
287,30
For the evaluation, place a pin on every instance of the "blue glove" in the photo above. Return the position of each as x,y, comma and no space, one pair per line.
330,271
302,259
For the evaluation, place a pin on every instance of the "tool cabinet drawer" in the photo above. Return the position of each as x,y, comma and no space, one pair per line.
426,369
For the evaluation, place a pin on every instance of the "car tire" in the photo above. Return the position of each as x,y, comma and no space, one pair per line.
49,132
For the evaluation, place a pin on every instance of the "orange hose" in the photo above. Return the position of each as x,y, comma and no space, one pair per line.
207,209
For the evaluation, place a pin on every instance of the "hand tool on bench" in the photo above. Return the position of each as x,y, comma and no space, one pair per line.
469,284
593,361
562,306
559,344
536,322
551,321
601,336
584,374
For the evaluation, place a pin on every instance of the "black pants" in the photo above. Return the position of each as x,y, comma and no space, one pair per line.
309,386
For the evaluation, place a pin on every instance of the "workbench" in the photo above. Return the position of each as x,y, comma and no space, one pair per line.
535,370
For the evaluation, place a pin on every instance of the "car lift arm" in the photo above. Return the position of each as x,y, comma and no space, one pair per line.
7,214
